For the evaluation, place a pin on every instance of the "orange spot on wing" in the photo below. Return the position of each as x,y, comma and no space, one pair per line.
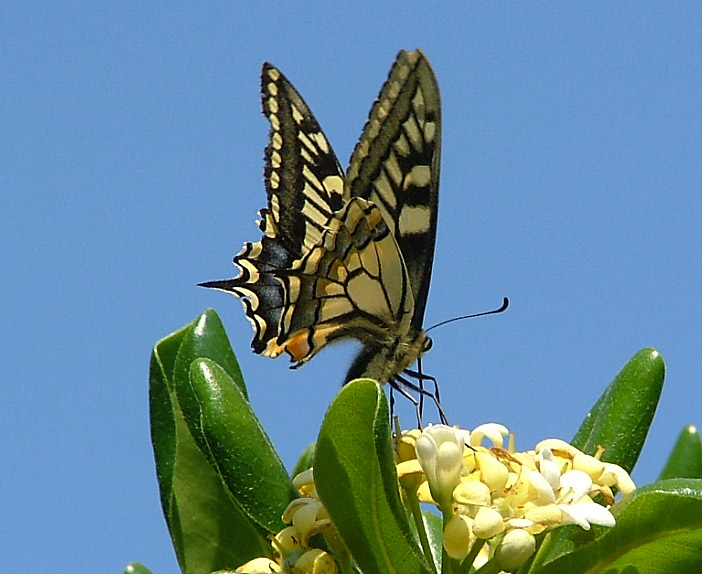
298,346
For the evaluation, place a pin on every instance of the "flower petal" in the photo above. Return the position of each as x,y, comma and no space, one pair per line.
549,468
615,474
493,472
493,431
540,487
574,485
592,513
472,492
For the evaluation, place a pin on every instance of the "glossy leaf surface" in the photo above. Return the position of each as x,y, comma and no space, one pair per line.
685,461
659,529
620,419
208,530
619,422
244,456
356,480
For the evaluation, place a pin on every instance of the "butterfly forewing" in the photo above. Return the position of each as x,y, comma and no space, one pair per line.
396,165
303,178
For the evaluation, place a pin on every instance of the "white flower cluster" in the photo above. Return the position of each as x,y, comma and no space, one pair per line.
503,497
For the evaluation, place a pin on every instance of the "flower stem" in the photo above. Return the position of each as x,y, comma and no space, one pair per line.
490,567
344,559
419,523
467,562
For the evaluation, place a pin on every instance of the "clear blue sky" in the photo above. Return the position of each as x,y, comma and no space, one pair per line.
132,142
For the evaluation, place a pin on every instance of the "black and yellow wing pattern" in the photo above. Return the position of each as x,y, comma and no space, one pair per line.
346,255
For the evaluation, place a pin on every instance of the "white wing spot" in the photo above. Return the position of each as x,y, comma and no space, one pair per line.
414,220
321,142
312,178
402,146
430,131
275,207
273,105
384,189
418,105
275,159
307,142
297,115
420,175
277,141
334,184
413,133
403,72
307,156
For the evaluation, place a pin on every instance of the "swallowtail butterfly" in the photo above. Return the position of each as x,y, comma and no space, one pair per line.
347,255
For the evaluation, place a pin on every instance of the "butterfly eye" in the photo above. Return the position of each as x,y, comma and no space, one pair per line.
428,343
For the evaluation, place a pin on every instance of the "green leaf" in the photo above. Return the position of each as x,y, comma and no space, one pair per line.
136,568
243,453
305,461
356,480
685,461
621,417
659,529
205,338
619,422
208,530
434,526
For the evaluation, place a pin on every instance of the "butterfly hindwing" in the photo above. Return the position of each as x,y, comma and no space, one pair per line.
340,288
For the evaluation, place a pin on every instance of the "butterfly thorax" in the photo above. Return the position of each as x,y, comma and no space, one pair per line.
384,360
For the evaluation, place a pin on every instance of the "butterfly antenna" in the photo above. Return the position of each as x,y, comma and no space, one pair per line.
500,309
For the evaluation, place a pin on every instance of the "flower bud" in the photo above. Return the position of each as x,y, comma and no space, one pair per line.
315,561
458,536
515,549
487,523
440,452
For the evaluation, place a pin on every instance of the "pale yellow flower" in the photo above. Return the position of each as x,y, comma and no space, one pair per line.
259,566
515,549
440,452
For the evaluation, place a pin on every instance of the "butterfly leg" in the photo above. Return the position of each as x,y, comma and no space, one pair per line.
419,389
392,402
400,384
